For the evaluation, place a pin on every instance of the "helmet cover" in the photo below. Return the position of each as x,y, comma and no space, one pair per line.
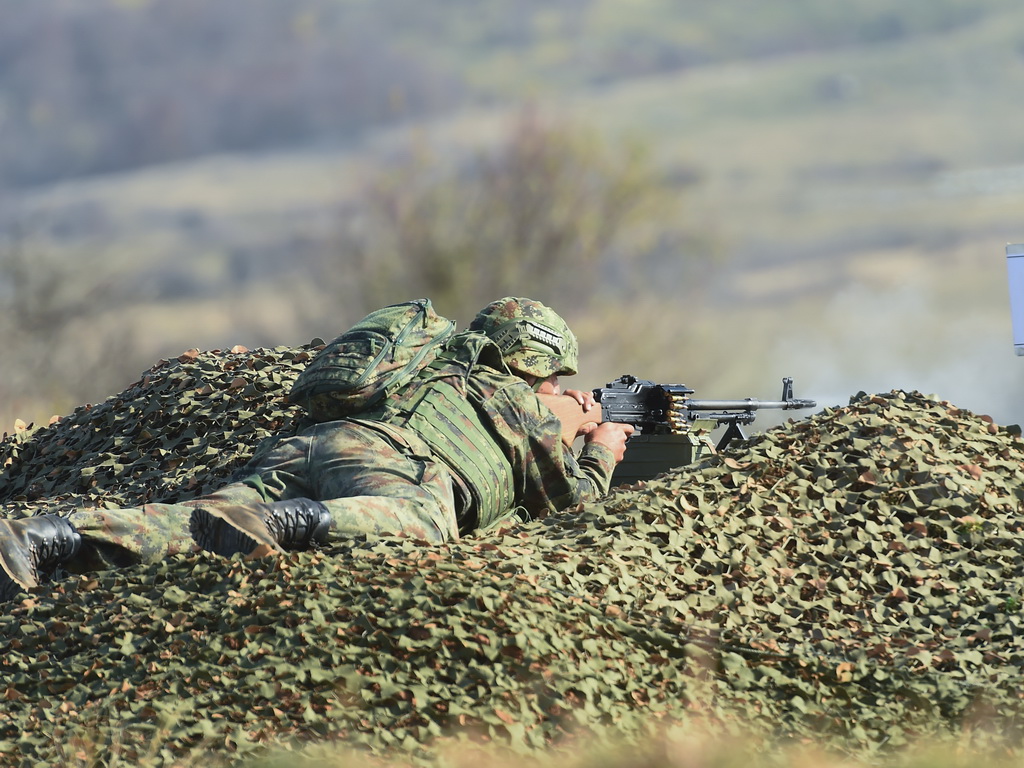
532,337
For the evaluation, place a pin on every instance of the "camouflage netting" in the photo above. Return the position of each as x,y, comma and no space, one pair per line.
852,578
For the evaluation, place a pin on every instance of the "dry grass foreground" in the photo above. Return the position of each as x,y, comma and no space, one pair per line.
849,581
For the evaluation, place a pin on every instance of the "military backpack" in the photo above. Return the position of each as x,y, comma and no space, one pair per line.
375,357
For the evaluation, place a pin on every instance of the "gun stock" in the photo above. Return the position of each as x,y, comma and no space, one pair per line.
571,414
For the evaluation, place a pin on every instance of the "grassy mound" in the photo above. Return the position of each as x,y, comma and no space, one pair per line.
851,579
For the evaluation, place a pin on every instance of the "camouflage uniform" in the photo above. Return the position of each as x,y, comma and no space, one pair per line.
462,447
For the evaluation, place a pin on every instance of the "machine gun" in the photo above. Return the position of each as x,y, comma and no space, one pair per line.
667,421
668,409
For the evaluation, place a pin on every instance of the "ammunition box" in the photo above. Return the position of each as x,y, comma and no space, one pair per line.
650,455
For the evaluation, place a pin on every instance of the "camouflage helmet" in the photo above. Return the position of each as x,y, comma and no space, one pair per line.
532,338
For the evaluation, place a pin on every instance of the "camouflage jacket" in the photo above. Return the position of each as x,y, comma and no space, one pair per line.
491,429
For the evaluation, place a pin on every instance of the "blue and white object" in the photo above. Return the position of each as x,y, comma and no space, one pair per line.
1015,265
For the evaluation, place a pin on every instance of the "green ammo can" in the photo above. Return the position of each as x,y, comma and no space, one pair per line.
650,455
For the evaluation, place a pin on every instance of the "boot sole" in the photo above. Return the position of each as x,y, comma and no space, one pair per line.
217,536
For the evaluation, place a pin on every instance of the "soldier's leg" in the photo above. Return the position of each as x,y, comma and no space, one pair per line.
33,548
95,539
114,538
146,534
381,480
358,478
367,479
276,513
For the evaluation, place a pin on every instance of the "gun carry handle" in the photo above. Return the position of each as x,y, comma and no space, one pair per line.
571,414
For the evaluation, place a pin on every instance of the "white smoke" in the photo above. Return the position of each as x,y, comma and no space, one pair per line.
876,340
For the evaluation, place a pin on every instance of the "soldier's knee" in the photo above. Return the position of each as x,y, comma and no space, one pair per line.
422,526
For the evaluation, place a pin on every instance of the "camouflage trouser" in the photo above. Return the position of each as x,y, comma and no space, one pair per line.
373,478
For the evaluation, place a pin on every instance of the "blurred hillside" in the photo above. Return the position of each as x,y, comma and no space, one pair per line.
845,177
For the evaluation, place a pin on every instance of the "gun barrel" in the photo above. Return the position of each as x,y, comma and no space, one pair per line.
748,404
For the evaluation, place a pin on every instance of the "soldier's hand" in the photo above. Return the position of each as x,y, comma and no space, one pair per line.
611,435
586,400
582,396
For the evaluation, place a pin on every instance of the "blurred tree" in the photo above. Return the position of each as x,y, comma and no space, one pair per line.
546,211
108,85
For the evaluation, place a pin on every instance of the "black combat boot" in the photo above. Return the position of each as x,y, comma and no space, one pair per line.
290,524
31,548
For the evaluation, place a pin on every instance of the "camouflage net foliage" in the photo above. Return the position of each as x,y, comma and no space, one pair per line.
851,579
